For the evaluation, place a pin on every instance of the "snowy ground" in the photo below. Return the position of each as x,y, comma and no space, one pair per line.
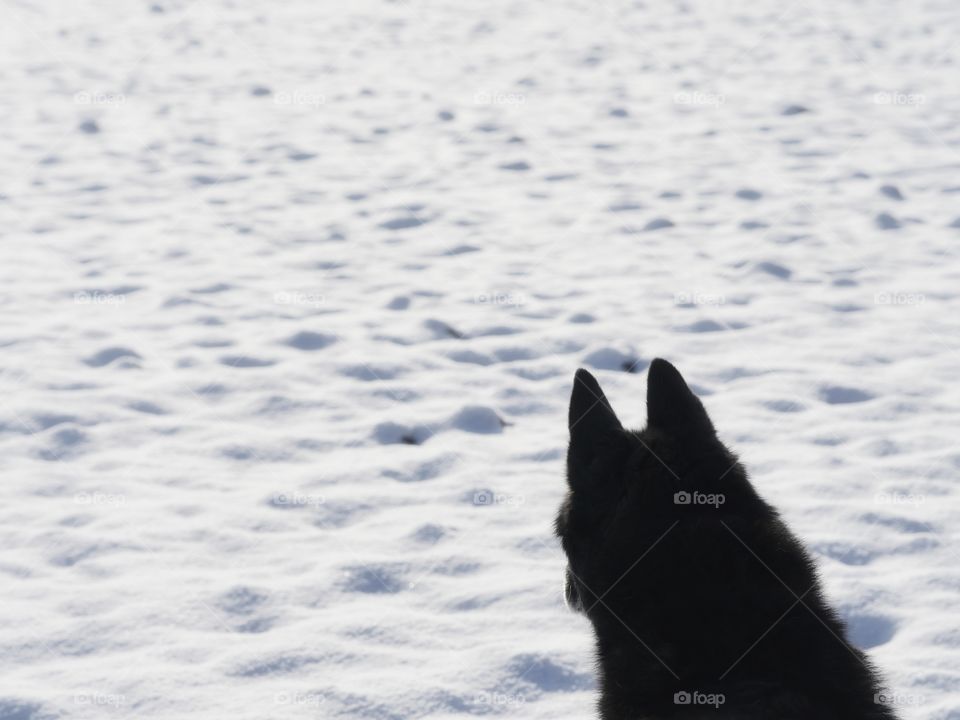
293,294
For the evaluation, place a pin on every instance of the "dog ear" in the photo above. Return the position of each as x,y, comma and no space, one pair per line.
671,405
592,420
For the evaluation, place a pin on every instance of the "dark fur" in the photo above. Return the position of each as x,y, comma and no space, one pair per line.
688,589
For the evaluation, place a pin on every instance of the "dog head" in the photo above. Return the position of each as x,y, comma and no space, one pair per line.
628,488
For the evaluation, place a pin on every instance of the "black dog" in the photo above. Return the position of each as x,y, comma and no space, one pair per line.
703,603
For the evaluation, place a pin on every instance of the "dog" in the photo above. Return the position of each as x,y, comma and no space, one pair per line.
703,603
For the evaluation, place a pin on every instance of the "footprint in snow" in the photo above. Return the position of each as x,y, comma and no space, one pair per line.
372,372
471,357
403,223
372,579
897,522
65,442
461,249
708,326
310,341
547,675
869,631
245,361
613,359
784,406
212,289
845,553
429,534
775,269
333,515
241,600
283,665
891,191
13,709
886,221
837,395
478,419
441,329
391,433
428,470
625,206
658,224
45,421
109,355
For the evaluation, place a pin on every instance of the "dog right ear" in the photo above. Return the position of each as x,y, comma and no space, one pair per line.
671,404
592,421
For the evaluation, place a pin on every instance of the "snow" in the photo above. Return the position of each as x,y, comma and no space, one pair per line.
293,294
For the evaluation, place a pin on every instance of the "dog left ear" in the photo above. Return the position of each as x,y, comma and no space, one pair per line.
592,421
671,404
